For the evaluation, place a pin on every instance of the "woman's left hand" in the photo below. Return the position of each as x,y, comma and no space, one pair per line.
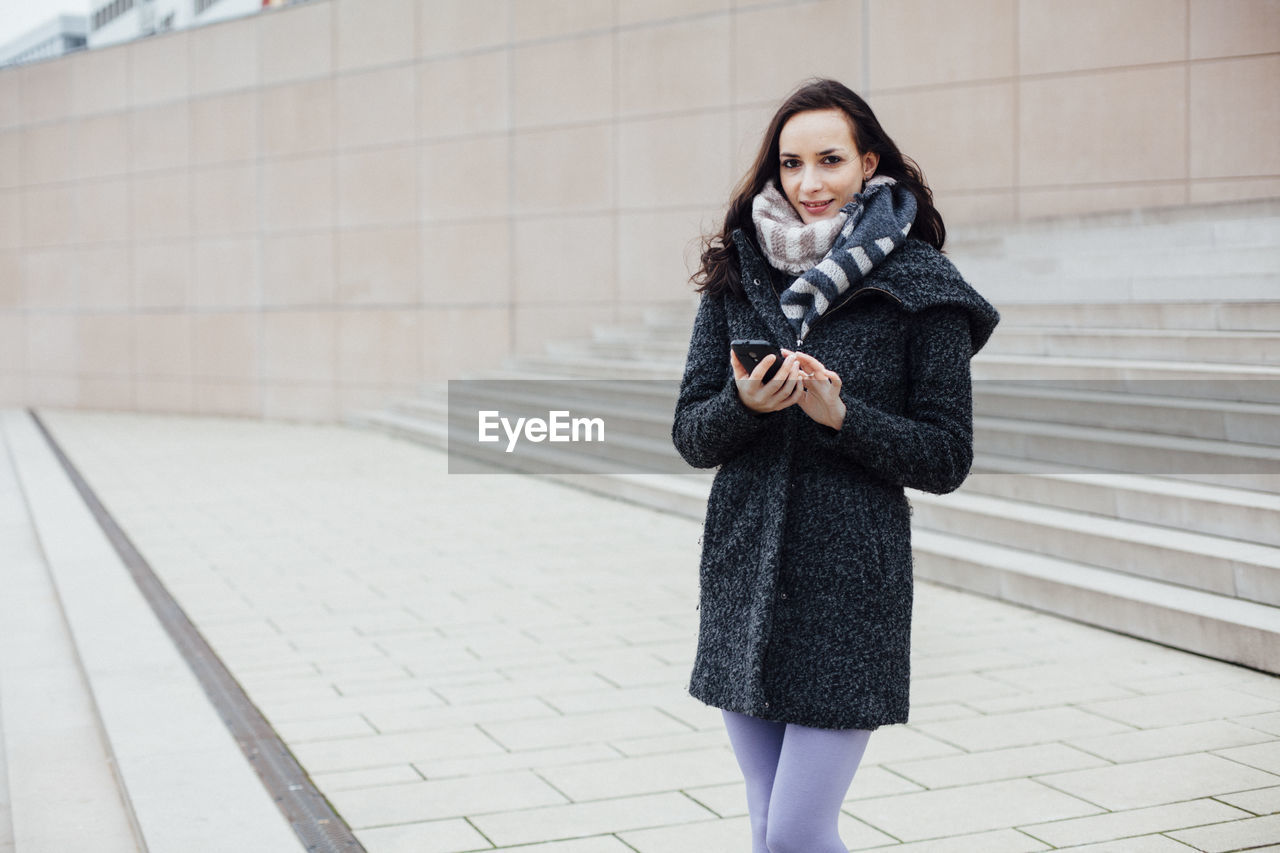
821,398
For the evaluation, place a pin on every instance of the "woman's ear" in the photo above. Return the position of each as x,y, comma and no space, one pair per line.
870,161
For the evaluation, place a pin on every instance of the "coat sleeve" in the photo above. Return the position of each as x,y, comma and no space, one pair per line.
930,446
712,424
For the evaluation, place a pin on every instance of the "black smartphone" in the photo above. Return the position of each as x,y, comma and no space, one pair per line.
751,353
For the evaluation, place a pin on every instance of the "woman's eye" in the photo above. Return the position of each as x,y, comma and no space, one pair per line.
832,159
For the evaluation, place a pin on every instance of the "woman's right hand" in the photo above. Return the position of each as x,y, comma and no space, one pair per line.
783,390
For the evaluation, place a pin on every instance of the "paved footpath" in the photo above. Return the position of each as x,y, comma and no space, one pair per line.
473,662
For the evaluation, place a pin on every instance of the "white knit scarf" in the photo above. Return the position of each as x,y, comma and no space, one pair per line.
790,244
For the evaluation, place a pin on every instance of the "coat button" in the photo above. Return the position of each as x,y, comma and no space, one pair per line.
756,280
784,596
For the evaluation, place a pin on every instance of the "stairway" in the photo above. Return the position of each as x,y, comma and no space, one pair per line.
1128,447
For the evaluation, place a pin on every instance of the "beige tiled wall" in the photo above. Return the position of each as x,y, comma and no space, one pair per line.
317,208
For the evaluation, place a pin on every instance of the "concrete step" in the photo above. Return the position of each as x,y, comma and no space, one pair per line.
1048,402
1216,510
1224,463
429,430
1225,567
1225,628
1239,514
1244,383
1178,261
59,786
1237,347
6,816
1000,282
1209,315
1190,228
600,368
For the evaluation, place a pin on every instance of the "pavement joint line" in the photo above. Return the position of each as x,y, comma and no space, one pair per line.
320,828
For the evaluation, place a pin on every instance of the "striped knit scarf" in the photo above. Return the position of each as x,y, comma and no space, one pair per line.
834,254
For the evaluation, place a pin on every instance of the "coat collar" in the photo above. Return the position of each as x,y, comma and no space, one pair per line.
915,274
759,289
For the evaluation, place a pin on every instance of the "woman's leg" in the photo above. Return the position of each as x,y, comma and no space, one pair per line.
813,774
756,744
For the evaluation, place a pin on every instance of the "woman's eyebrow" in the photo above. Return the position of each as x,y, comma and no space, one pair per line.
820,153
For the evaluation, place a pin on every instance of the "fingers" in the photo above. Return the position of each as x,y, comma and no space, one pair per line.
809,363
781,391
763,367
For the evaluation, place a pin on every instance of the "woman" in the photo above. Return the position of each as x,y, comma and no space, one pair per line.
831,250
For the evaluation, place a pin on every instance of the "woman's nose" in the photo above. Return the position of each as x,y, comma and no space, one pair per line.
811,181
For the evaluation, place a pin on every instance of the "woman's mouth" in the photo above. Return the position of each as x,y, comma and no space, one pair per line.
817,207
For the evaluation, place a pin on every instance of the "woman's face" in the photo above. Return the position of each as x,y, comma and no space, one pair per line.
819,166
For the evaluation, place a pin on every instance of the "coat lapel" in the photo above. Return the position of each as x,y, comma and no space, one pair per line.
760,293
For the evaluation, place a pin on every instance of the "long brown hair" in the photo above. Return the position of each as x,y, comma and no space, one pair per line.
719,270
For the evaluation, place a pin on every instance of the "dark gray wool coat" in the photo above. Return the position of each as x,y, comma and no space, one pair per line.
806,584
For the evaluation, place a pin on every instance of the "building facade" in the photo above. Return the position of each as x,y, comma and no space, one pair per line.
119,21
57,37
313,209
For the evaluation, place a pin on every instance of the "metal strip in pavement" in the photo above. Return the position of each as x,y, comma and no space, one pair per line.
318,826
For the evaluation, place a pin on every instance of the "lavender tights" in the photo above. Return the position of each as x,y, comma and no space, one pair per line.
797,777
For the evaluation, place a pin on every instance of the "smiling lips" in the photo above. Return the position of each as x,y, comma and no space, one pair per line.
817,207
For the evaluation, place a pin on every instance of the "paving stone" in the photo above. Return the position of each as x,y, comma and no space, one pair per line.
1224,675
465,694
1189,706
1161,780
1013,763
1020,728
1269,723
630,776
582,728
921,713
1262,801
967,809
978,659
729,800
445,717
996,841
1174,740
594,818
444,836
363,808
612,698
1264,756
1236,835
1133,822
1140,844
531,759
902,743
598,844
345,780
376,750
958,688
857,835
670,743
282,709
336,727
1048,698
731,835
